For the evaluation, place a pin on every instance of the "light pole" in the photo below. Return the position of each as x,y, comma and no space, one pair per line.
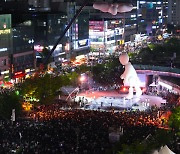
82,80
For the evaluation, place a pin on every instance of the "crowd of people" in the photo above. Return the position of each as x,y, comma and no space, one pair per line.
58,128
51,129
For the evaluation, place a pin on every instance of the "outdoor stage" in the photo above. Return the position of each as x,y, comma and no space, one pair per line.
105,99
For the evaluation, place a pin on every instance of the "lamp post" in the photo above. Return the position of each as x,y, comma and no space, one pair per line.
82,80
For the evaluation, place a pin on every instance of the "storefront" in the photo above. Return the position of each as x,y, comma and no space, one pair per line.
19,76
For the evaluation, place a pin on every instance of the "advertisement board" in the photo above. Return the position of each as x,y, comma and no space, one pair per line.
81,43
96,26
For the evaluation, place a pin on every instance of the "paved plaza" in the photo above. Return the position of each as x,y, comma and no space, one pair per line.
104,99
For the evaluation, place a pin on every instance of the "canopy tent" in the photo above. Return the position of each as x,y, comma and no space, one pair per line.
163,150
68,89
153,85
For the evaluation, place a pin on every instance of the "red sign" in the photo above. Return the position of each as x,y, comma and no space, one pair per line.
19,75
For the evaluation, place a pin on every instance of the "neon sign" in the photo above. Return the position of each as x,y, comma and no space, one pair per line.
6,31
17,73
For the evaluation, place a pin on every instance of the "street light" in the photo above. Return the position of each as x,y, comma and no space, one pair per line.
82,78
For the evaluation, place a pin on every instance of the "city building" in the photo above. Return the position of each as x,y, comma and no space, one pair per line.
105,36
39,5
131,23
174,12
50,26
23,43
165,13
16,46
112,31
40,23
150,16
5,45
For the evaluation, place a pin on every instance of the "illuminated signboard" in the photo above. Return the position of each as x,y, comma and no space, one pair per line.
96,26
5,72
82,43
38,48
5,31
18,73
27,70
3,49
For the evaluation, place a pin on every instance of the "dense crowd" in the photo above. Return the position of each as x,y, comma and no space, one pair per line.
51,129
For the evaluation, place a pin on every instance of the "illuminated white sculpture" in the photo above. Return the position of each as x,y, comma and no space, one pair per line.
113,8
129,76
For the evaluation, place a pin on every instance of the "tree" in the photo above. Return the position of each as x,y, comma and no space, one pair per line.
147,145
174,120
146,55
83,68
9,101
73,78
172,46
43,88
108,73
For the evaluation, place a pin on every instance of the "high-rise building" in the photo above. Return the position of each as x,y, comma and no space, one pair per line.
16,46
80,33
165,12
50,26
150,16
130,22
39,5
174,12
5,45
23,56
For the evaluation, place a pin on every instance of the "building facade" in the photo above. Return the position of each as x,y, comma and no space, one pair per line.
174,12
6,45
150,16
16,46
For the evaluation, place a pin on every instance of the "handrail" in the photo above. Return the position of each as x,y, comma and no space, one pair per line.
157,68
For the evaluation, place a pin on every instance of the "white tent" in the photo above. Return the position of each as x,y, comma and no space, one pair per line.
153,85
165,150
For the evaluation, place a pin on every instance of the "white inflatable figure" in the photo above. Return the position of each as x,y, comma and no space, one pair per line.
113,8
129,76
